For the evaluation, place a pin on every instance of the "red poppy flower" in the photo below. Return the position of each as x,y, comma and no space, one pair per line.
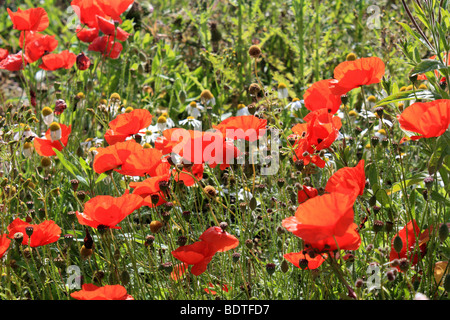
179,270
428,119
107,46
4,244
14,62
83,61
39,46
197,254
319,96
350,240
348,180
44,147
410,235
186,174
3,54
306,193
208,147
317,134
151,187
141,162
86,34
313,263
349,75
33,19
87,11
219,240
200,253
114,8
127,124
108,292
108,28
322,217
114,156
213,292
54,61
173,138
249,127
44,233
108,211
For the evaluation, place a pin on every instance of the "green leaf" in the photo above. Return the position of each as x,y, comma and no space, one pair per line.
426,66
442,150
409,95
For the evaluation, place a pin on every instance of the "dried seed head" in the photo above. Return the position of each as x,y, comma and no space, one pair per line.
254,51
155,226
270,268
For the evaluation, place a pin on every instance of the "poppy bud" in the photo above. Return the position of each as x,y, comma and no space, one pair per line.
443,232
83,61
181,241
81,195
359,283
390,275
428,182
398,244
165,215
74,183
303,264
68,238
284,266
404,264
149,239
378,226
389,226
186,215
374,140
167,267
270,268
60,106
155,198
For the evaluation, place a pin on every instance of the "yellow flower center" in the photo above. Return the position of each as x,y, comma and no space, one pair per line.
54,126
46,111
281,86
162,119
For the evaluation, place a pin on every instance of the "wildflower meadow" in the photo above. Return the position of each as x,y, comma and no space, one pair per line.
232,150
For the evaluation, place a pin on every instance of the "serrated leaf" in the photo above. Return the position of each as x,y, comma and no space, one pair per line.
426,66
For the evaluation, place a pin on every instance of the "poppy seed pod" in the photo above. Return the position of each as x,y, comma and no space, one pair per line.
149,239
29,231
254,89
235,256
398,244
443,232
378,225
447,283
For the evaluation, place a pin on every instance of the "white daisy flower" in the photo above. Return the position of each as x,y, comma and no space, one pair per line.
191,121
282,91
194,109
